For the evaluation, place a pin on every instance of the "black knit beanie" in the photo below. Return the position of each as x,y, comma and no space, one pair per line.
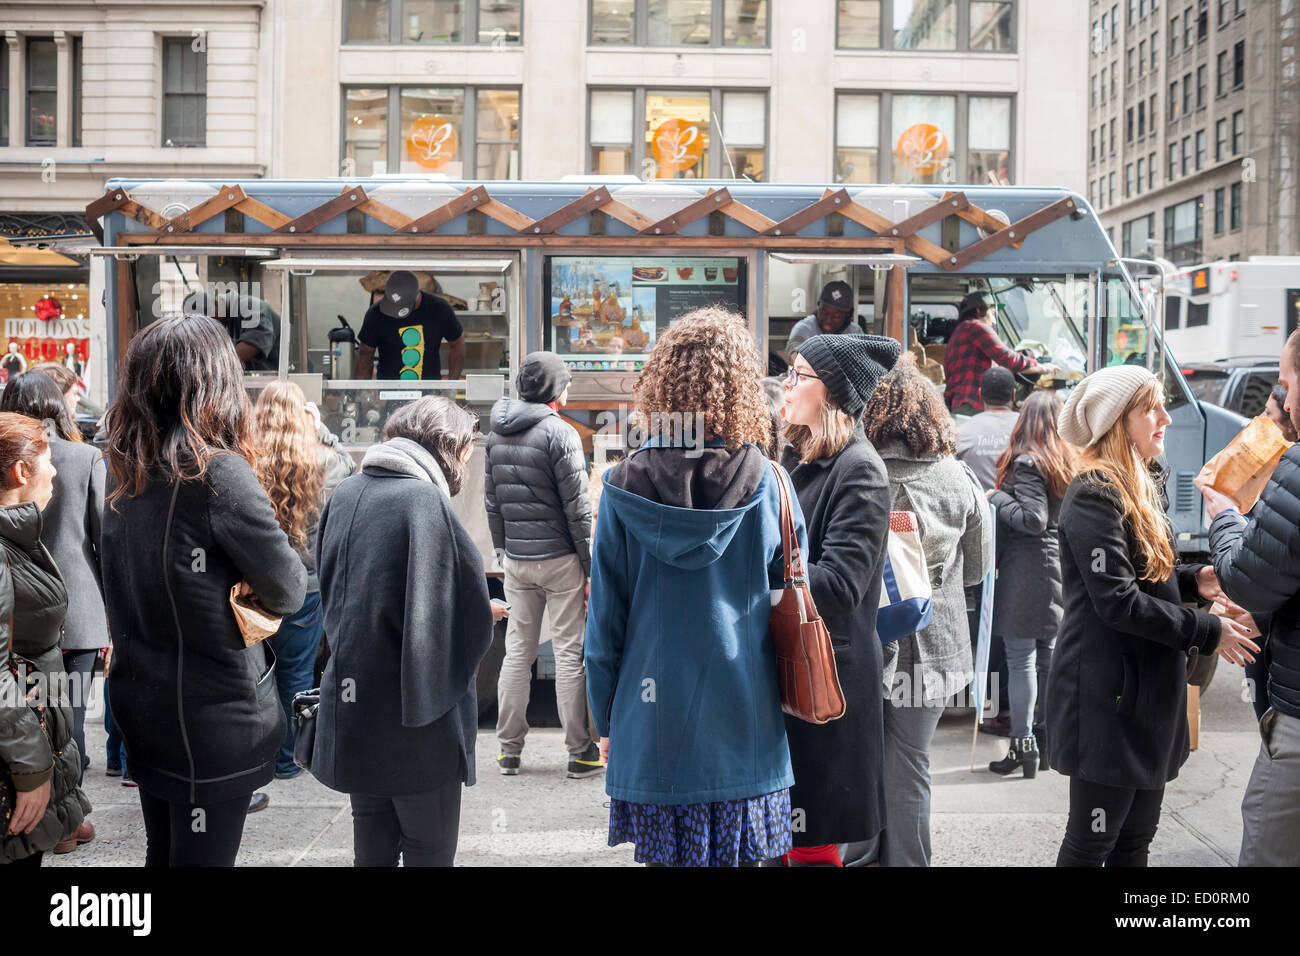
850,366
542,377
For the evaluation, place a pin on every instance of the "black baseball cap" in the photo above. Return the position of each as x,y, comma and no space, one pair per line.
838,295
399,294
973,304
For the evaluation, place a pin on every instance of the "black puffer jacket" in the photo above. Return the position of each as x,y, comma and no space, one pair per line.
1258,563
1027,603
198,710
536,485
32,591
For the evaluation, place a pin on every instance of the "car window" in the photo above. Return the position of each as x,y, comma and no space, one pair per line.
1207,384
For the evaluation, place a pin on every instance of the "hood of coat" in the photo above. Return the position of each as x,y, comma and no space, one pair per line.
687,538
509,415
21,523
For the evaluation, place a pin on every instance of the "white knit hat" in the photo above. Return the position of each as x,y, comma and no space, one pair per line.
1097,402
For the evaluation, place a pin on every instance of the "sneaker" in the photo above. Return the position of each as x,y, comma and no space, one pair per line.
288,774
508,764
112,771
127,781
587,763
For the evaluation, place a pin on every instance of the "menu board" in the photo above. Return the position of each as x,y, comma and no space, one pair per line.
607,312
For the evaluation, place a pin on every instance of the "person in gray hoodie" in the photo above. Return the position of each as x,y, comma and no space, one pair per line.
539,514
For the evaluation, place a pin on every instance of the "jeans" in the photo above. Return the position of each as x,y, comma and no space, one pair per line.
421,828
80,666
1111,826
555,585
295,645
180,834
908,732
1026,686
115,748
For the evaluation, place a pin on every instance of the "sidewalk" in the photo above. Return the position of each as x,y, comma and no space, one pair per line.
541,818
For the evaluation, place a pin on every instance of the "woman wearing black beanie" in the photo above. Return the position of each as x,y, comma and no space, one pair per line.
843,491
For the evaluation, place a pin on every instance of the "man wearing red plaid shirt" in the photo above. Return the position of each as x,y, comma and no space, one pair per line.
973,349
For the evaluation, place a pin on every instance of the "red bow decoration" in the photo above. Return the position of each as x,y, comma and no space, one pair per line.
48,309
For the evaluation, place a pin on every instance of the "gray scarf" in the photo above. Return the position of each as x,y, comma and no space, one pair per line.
405,457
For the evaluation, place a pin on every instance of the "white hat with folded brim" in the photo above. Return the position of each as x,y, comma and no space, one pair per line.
1098,401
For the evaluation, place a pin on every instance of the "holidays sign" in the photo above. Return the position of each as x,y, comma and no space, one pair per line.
29,340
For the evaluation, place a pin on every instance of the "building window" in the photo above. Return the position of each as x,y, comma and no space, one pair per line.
1101,132
77,83
185,93
1142,58
1128,125
934,25
1128,180
1112,137
1092,91
1219,209
1223,11
1173,34
1173,99
1202,74
432,21
1234,206
1114,22
462,132
1110,189
1142,9
1183,231
1142,120
1202,20
1187,155
988,147
1104,32
680,22
669,134
1114,80
1238,132
857,138
1135,234
990,26
1220,139
1173,161
1130,59
1155,48
1151,170
42,92
858,25
1141,174
1132,12
1092,145
1200,149
1151,112
1238,64
1187,93
1189,29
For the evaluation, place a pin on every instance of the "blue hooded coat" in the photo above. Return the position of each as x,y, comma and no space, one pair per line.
681,671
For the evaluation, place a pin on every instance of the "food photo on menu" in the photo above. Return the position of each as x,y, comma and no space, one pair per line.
607,312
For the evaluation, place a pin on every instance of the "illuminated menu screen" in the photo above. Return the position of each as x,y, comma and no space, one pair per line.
607,312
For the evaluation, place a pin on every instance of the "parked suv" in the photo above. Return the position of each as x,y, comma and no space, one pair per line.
1241,385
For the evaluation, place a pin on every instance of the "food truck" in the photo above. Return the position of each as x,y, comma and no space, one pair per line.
596,268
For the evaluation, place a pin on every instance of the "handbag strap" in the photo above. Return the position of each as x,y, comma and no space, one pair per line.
794,569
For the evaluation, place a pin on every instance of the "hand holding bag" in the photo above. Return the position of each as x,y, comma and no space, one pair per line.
1243,468
255,622
805,660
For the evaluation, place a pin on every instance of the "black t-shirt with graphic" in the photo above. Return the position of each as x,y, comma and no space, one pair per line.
408,348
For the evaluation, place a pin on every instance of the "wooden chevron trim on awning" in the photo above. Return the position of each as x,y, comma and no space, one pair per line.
599,200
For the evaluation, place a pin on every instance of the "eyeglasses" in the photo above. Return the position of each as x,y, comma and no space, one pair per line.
795,377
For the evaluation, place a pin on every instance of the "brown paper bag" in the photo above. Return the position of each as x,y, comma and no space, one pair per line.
1243,468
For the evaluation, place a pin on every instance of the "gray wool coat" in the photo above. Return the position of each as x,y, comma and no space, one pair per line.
957,538
71,531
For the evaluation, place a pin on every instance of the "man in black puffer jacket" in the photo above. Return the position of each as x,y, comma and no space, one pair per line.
1258,564
539,514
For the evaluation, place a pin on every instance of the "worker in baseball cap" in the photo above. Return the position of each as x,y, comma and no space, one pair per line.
836,315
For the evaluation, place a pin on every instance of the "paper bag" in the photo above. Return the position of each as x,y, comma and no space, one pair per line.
1243,468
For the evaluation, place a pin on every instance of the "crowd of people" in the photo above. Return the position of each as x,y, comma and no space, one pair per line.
657,601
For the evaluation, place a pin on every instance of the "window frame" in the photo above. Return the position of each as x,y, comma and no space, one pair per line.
188,43
1220,196
29,88
717,30
1202,85
1220,138
1235,207
1238,132
1152,162
394,141
1239,65
469,28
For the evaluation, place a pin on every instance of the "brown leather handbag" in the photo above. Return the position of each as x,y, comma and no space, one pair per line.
805,661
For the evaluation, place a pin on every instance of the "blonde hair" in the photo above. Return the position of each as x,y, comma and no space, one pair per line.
832,432
1114,457
288,459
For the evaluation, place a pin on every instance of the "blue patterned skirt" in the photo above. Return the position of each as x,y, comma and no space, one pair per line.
727,833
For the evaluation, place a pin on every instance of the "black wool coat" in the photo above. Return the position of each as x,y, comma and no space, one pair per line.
1117,694
838,767
1027,602
198,710
409,619
1258,563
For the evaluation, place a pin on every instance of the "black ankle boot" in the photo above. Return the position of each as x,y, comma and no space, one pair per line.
1040,738
1022,753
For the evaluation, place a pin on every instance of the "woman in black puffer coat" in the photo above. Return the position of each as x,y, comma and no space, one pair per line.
1032,476
185,521
46,805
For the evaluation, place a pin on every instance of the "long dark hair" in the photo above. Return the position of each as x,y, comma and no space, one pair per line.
35,395
180,400
440,427
1035,435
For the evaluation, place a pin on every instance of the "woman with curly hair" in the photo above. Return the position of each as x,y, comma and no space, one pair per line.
292,463
1117,694
910,427
1032,475
681,671
842,487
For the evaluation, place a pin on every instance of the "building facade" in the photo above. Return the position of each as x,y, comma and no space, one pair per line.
1192,126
